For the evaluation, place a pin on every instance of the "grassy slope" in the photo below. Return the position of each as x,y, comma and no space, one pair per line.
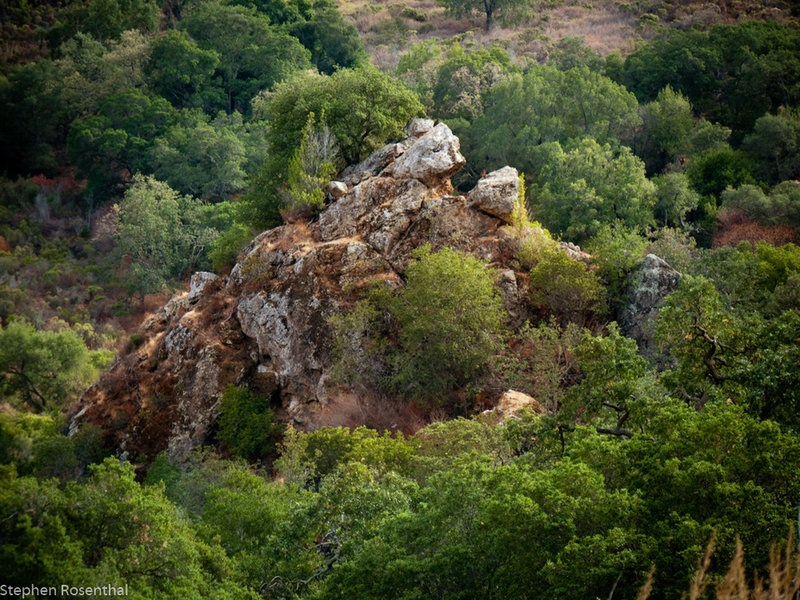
607,26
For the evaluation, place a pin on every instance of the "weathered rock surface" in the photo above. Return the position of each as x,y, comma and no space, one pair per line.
432,158
496,194
337,189
510,404
652,281
266,325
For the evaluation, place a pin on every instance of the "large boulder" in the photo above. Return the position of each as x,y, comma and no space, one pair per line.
496,193
649,285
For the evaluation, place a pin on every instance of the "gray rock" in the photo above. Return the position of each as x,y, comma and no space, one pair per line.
650,284
496,194
431,158
199,283
373,164
337,189
418,127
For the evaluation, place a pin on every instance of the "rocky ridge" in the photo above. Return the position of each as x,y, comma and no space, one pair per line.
266,325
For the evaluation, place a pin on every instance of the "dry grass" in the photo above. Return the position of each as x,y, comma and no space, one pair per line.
781,583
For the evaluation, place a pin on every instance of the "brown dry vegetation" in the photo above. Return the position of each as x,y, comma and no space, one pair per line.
389,28
734,227
781,581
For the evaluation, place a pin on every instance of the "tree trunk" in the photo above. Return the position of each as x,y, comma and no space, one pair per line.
488,8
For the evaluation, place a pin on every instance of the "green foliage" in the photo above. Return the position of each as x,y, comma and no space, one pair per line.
714,170
110,528
29,121
453,82
110,147
164,235
45,369
564,287
490,8
572,52
314,164
674,198
104,20
614,381
733,74
547,105
202,157
34,444
667,123
449,321
252,55
363,108
359,350
675,246
333,42
775,142
616,251
588,186
247,424
224,250
182,72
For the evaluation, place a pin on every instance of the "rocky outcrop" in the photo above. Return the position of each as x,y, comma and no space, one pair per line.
496,194
266,325
649,285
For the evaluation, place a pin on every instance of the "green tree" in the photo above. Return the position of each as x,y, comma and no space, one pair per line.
714,170
161,232
564,287
30,118
109,528
616,251
104,20
614,382
182,72
449,321
247,424
547,105
775,142
490,8
333,42
704,338
110,147
44,369
667,124
363,109
572,52
202,157
674,198
252,55
312,167
591,185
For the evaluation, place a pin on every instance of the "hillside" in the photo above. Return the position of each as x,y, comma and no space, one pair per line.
306,300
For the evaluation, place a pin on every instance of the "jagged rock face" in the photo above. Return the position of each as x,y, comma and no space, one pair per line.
650,284
266,327
163,394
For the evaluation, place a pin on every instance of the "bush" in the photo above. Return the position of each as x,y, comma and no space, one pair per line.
564,287
246,424
449,318
224,250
